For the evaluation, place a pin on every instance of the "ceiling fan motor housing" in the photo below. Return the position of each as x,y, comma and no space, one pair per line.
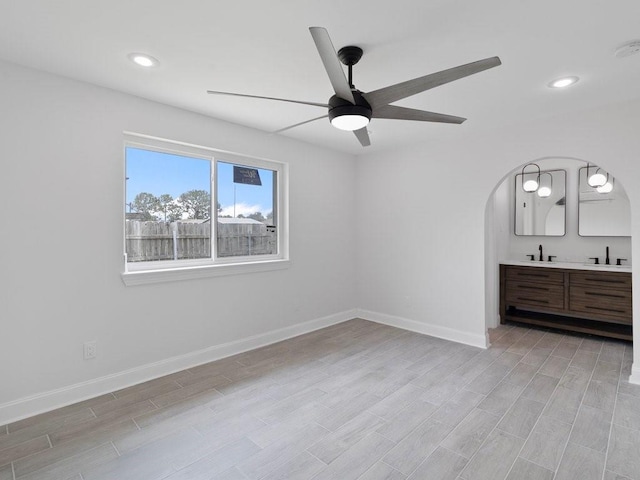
339,107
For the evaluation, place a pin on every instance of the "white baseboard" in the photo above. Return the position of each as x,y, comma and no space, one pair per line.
635,375
46,401
446,333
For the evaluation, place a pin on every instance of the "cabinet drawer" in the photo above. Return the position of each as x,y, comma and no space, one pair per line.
535,295
602,279
595,301
534,274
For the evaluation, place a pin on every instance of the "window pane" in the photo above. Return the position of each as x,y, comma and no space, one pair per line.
168,206
247,216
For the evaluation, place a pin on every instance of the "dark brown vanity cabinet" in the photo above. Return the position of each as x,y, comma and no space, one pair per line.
585,301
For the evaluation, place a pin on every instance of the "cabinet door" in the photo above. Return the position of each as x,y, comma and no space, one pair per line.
620,280
608,303
534,274
533,294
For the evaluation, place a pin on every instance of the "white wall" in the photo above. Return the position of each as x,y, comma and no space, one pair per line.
421,255
421,240
63,167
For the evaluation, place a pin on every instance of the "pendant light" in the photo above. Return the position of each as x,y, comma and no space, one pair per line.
545,188
530,185
596,179
606,188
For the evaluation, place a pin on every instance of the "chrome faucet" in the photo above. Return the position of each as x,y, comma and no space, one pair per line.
541,256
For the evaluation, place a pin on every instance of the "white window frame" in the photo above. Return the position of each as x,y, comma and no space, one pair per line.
172,270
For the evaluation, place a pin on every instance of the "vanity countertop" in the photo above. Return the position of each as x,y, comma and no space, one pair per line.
569,265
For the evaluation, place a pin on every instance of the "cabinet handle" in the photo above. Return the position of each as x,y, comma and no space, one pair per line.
543,275
604,280
604,309
533,300
598,294
531,287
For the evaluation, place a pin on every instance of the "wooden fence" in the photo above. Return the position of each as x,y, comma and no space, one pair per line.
152,241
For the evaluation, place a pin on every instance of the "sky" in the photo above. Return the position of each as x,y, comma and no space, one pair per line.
159,173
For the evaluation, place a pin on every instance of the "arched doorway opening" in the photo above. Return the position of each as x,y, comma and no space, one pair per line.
594,222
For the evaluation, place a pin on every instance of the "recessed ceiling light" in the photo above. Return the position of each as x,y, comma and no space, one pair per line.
563,82
143,59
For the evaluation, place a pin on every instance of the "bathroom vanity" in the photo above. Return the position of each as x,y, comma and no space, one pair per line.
594,299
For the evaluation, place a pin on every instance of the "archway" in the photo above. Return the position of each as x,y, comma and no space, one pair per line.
576,245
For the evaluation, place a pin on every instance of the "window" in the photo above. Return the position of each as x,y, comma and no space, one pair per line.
246,214
194,209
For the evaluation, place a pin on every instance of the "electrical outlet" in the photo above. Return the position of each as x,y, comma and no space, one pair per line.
90,350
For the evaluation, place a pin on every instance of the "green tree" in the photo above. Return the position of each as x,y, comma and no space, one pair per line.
174,212
145,204
164,205
196,203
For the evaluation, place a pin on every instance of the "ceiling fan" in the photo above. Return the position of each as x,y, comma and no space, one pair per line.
350,109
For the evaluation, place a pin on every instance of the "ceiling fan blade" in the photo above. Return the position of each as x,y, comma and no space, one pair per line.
363,136
301,123
331,63
402,90
402,113
212,92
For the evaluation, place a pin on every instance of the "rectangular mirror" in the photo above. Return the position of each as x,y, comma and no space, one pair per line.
537,214
601,212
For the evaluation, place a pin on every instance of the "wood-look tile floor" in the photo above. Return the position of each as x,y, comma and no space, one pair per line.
356,400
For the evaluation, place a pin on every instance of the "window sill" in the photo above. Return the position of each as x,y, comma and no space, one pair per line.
145,277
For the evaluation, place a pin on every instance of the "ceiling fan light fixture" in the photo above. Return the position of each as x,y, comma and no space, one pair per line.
350,122
345,115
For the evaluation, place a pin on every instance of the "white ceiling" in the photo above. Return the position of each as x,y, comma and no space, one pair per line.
264,48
